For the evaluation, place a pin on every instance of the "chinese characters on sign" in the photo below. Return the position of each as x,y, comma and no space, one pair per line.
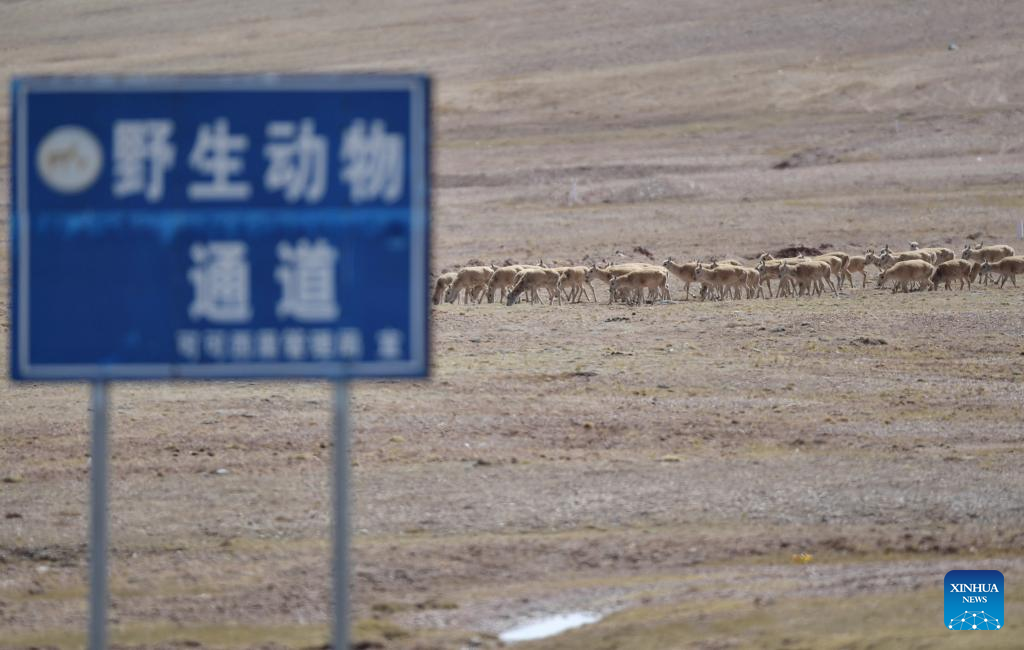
297,158
296,155
220,278
306,273
371,160
289,344
374,162
142,156
218,154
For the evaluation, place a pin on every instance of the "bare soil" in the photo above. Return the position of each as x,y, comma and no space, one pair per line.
666,464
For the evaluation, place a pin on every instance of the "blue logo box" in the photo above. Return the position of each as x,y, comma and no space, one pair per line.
220,227
974,600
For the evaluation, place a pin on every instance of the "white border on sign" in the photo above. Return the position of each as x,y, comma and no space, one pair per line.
415,366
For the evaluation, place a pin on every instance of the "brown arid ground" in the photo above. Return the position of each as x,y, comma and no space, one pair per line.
659,464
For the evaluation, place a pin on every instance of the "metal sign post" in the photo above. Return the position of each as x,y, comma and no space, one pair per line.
219,227
340,503
98,480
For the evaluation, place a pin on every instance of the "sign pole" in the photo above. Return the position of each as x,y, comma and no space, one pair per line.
98,594
339,565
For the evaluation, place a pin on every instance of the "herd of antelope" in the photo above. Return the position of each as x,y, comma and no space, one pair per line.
915,269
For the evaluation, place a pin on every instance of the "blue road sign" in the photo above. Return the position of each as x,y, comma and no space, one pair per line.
252,226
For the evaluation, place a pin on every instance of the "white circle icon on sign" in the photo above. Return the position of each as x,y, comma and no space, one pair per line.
69,159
